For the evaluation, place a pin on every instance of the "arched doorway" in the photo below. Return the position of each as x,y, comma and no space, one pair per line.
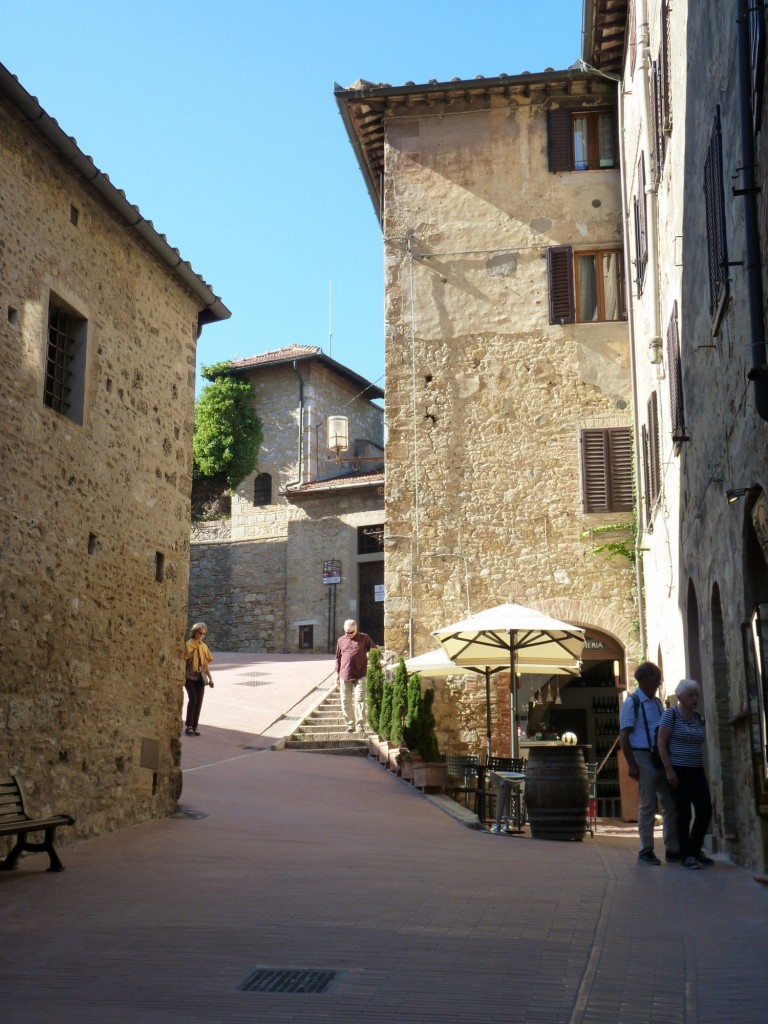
588,705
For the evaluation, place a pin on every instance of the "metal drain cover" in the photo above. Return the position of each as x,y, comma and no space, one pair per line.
297,982
255,682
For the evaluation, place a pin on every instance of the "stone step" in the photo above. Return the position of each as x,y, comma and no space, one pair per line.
320,735
341,751
325,731
332,744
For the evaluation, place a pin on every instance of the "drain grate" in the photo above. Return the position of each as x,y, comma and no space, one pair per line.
298,982
255,682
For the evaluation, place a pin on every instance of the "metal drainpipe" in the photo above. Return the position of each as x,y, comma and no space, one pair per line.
639,582
757,374
293,483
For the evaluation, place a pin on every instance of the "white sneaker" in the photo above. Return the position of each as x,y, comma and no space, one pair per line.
359,727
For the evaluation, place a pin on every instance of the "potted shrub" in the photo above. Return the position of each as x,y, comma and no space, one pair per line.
374,685
385,721
399,710
432,771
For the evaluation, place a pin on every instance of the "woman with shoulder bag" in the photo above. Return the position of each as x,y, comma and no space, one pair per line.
680,738
197,677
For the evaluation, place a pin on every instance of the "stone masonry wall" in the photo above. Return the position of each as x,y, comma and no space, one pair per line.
95,535
484,487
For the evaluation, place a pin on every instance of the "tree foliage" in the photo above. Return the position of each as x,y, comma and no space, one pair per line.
374,685
399,703
227,430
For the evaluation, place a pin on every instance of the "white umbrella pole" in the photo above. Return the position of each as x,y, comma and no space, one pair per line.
515,745
487,712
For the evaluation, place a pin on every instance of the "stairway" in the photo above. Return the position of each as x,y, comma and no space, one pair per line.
324,731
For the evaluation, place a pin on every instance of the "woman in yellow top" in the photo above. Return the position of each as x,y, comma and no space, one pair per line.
197,676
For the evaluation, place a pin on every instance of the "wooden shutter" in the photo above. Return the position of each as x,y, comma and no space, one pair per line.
632,38
562,308
622,492
665,95
656,115
757,61
646,475
606,470
675,371
641,228
654,452
717,248
560,140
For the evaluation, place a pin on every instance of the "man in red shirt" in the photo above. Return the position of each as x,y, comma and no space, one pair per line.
351,668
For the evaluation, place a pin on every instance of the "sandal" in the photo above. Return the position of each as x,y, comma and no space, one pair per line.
195,732
189,732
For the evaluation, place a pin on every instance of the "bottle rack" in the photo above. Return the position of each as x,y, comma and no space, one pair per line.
605,717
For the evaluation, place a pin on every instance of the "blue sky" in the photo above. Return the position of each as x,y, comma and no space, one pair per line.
218,120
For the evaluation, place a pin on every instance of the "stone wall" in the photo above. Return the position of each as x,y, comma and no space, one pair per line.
483,477
256,592
95,534
485,398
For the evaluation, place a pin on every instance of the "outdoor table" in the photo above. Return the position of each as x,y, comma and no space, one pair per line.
505,782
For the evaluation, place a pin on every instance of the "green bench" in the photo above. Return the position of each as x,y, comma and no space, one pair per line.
14,821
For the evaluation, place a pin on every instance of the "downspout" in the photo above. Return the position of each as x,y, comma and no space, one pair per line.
651,270
293,483
639,582
759,372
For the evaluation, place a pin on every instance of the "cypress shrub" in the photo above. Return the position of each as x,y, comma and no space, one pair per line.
385,718
374,682
413,714
399,703
428,748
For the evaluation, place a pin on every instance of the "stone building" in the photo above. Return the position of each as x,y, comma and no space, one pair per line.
98,330
303,549
694,175
507,363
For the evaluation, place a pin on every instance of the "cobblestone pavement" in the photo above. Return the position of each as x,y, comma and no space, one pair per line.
290,860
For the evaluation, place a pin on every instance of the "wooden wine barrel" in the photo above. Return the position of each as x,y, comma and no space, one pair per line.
557,793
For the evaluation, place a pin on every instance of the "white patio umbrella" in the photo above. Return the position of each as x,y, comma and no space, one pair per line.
437,663
515,637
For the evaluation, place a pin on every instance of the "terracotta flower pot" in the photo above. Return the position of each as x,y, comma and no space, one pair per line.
430,775
407,766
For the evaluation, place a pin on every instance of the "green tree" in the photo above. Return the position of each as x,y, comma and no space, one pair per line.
429,749
385,718
413,716
227,430
399,703
374,685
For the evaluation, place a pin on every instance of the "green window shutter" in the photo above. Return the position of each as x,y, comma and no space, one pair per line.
562,308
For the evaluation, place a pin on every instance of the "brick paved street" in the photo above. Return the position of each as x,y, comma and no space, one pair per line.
283,859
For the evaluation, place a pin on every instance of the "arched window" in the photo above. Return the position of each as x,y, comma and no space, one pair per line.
262,489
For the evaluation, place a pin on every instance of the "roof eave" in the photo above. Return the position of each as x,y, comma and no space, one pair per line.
212,307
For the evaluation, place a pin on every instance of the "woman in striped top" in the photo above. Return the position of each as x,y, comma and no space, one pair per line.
680,738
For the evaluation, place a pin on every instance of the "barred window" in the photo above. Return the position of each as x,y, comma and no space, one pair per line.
262,489
64,383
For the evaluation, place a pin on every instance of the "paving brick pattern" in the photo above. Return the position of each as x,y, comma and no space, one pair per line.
295,860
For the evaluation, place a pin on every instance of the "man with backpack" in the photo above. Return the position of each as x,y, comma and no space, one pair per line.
639,720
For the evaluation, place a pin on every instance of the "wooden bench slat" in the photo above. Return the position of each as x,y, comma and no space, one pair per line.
14,821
